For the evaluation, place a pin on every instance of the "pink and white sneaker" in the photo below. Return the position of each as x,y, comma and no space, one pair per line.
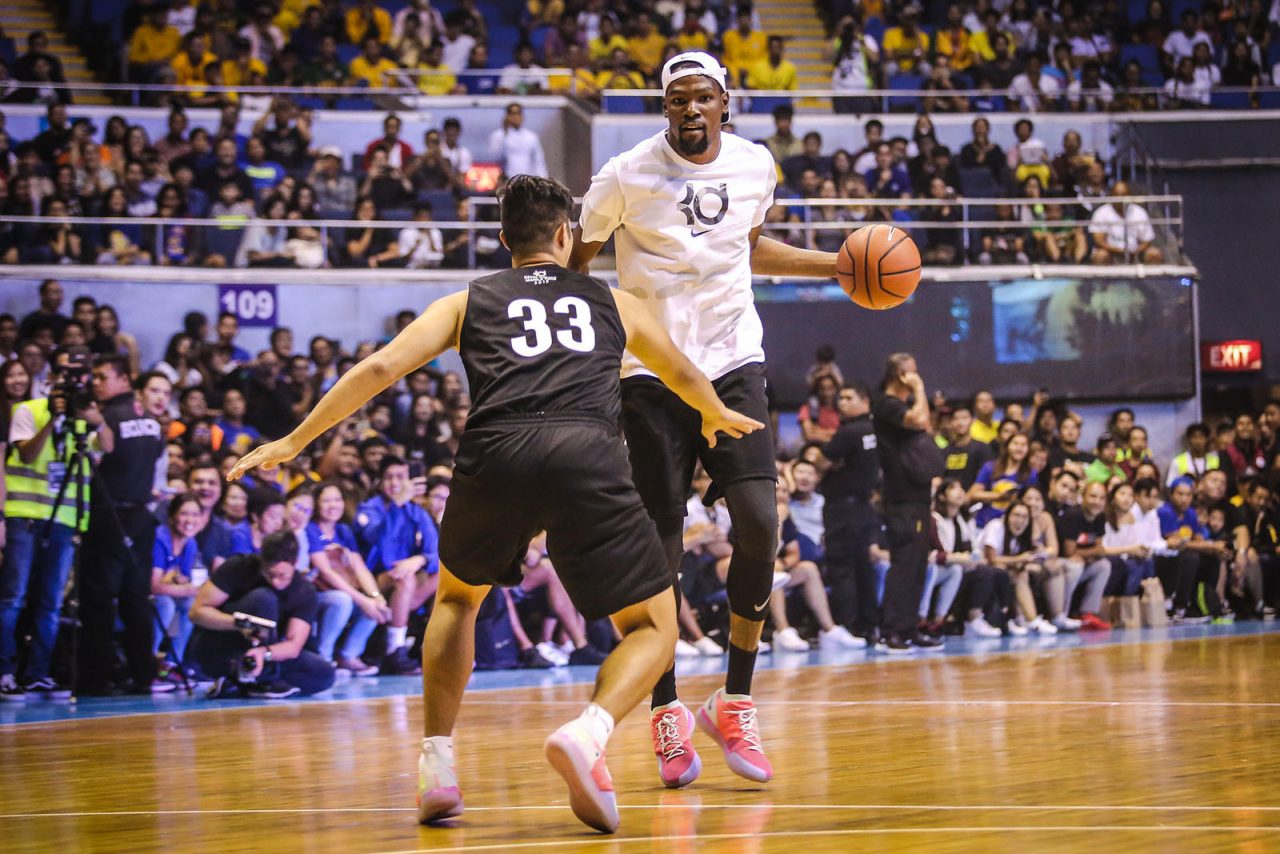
438,794
732,724
576,756
672,729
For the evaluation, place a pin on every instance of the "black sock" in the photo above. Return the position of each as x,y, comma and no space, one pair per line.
665,691
742,665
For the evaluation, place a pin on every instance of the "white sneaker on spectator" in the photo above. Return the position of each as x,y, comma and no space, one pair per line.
1017,629
780,580
981,628
1063,623
838,637
789,640
557,656
764,647
1042,626
706,646
684,649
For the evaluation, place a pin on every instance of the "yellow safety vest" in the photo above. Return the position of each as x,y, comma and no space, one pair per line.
30,491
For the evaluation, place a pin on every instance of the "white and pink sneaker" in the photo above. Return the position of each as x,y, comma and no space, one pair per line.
579,759
438,794
731,721
672,729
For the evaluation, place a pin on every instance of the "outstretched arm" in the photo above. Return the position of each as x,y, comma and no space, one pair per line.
435,331
770,257
652,346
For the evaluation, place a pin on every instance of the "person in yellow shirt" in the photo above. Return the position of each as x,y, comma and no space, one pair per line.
544,13
620,74
743,47
372,67
188,66
692,36
581,82
600,49
952,41
645,45
236,70
773,72
291,13
152,45
434,77
906,45
366,19
982,43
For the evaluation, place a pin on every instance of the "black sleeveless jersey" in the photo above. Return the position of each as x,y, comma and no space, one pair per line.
541,342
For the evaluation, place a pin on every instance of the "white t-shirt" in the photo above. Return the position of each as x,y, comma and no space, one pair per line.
460,157
1130,231
807,516
1101,94
1177,45
1197,90
457,52
681,231
422,245
1030,95
519,151
993,535
697,513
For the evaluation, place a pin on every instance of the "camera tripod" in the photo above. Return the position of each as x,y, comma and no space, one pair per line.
81,464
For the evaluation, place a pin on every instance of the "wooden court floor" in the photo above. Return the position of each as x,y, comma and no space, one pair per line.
1167,746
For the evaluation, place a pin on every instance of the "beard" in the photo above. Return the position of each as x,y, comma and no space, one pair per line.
698,146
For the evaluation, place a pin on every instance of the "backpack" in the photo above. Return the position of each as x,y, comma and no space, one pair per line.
496,647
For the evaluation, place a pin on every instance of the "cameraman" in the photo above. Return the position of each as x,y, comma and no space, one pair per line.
39,550
117,548
268,586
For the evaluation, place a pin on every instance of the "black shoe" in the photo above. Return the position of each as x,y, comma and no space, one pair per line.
532,659
588,656
895,645
273,690
10,690
45,688
398,663
927,643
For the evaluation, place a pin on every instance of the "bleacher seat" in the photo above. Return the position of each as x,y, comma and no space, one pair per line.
310,102
223,241
623,104
1229,100
874,27
7,51
1152,77
978,182
1269,100
768,105
348,52
354,104
905,103
443,203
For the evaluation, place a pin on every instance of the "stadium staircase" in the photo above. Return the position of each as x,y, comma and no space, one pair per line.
798,22
20,17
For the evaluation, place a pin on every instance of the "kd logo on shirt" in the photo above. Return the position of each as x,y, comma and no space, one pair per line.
692,207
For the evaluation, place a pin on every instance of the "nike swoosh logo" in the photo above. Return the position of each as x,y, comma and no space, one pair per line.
700,233
762,606
501,644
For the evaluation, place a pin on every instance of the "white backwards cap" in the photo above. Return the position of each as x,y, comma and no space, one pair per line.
706,65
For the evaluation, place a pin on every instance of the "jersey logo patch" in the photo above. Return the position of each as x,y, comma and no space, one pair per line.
539,277
694,206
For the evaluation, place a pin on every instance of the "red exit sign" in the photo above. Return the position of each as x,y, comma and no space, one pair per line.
1231,356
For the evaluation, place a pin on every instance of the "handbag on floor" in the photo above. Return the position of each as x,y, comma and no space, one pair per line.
1122,611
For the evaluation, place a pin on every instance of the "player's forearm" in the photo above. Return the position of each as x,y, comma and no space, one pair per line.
692,386
770,257
361,383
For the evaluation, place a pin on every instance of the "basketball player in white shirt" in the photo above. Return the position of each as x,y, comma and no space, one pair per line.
686,207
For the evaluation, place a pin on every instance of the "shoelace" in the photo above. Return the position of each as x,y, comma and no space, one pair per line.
667,731
747,729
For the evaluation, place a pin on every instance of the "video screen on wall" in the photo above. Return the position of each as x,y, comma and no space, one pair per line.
1079,338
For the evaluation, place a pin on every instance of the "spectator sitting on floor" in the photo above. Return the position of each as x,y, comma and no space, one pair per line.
1008,543
954,555
173,571
266,586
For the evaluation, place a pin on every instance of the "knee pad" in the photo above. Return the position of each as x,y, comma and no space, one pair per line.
754,510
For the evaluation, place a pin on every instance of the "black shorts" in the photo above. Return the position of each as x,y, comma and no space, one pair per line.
664,438
570,478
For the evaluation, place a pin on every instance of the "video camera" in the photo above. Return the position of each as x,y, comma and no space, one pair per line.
258,630
72,382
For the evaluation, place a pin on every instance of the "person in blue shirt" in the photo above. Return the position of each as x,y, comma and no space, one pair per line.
886,180
266,516
999,480
341,571
399,544
173,560
236,435
1195,563
264,173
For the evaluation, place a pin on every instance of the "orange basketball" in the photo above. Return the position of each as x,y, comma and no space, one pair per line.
878,266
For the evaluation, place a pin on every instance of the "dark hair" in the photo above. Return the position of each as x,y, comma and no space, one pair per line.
372,442
893,367
280,547
1113,518
1144,485
859,388
118,362
84,299
784,111
175,504
389,461
939,497
1116,413
532,209
301,490
171,349
1023,540
277,332
190,390
263,499
141,382
451,122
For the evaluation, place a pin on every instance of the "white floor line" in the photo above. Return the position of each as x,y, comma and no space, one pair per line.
998,702
689,806
784,834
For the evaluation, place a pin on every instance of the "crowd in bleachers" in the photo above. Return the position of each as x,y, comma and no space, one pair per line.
1033,529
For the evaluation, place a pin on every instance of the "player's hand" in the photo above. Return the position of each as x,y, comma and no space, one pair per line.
734,424
266,456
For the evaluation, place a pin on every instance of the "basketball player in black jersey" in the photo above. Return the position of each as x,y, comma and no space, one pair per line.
542,346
